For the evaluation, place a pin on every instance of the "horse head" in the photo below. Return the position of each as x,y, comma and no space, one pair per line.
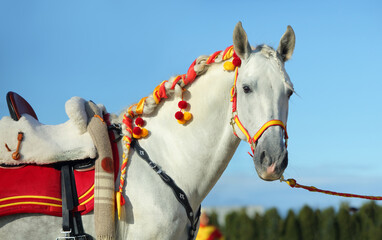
262,90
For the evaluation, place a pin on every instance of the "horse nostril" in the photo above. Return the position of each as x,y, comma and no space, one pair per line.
262,157
284,162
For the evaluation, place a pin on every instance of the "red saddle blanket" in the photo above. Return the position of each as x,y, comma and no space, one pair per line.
37,189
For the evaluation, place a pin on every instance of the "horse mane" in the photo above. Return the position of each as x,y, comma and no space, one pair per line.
176,84
173,86
270,53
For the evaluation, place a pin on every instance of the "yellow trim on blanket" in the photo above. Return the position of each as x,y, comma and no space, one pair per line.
89,199
83,195
46,198
35,203
30,196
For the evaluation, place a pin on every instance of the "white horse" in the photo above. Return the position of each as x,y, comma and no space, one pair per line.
195,154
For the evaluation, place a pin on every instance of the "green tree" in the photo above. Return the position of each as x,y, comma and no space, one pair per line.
238,226
371,221
258,227
345,228
357,225
272,224
308,224
291,228
246,230
318,217
214,219
231,226
328,225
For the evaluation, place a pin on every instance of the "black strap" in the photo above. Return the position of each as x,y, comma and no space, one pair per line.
118,130
178,192
67,199
71,219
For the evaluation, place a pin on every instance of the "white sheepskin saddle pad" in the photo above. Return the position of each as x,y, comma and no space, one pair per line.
46,144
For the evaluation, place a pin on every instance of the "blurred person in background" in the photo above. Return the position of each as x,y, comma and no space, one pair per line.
206,231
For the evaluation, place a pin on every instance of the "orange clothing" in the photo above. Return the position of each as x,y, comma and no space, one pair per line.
209,233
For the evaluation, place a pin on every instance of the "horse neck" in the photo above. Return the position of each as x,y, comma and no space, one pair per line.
196,154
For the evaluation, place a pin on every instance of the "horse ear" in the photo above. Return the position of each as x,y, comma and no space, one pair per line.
240,42
286,45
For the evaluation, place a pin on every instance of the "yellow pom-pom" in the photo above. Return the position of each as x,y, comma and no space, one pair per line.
229,66
182,121
144,133
137,136
187,116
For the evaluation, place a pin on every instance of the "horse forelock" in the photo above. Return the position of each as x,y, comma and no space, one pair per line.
270,53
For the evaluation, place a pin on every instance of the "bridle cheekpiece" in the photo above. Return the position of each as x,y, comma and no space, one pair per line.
235,117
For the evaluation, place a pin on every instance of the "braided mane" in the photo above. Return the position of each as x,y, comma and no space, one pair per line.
175,84
148,104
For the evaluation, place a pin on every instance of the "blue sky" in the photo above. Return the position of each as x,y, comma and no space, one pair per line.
115,52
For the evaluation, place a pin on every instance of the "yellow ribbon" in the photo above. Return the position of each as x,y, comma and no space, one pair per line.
140,105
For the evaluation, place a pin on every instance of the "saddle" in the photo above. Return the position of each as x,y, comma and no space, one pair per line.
63,182
56,143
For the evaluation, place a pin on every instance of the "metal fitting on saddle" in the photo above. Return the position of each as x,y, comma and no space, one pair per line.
16,155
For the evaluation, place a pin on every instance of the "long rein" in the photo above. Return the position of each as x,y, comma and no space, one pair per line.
253,141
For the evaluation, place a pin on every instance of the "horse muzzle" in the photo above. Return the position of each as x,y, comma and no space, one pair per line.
270,164
270,158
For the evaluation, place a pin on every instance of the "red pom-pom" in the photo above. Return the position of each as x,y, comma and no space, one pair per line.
182,104
139,121
137,131
236,62
179,115
234,55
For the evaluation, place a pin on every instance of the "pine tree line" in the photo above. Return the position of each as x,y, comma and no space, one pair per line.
347,223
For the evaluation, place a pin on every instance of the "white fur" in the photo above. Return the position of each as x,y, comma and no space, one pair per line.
75,108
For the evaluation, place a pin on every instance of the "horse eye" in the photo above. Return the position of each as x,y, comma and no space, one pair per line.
290,93
247,89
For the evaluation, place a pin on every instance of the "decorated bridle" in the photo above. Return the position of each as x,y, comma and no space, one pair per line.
234,65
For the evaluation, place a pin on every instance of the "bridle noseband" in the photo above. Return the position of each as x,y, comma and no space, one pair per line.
236,121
